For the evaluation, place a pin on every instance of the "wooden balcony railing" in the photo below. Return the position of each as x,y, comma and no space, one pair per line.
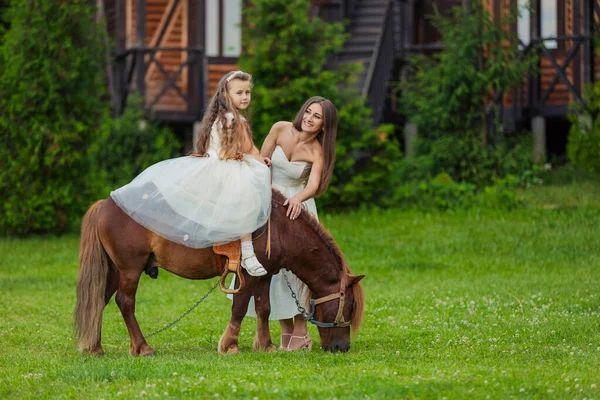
173,92
539,92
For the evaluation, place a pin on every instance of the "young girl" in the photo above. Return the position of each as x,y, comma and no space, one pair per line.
218,194
301,154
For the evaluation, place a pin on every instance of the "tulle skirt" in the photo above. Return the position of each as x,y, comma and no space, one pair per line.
199,201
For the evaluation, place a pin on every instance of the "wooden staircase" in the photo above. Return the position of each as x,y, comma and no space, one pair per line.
371,45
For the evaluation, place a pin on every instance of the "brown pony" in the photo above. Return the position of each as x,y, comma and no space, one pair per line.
115,250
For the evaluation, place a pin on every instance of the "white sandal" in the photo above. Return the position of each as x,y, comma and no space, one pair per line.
254,270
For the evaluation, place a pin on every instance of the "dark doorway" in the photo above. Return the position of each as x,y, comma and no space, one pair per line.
557,133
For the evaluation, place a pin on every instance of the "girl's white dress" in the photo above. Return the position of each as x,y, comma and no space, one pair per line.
289,177
200,201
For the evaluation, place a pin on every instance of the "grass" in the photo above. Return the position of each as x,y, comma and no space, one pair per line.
477,304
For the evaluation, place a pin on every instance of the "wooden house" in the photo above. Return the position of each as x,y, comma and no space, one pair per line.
174,52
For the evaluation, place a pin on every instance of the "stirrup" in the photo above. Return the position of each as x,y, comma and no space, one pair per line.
257,271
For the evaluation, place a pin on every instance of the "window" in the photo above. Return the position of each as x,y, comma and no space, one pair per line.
524,21
223,28
549,22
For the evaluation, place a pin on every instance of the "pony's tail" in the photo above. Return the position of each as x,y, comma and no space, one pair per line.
91,284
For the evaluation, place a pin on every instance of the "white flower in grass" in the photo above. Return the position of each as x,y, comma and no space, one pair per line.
593,387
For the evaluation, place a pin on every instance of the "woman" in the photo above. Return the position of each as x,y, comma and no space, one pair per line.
301,155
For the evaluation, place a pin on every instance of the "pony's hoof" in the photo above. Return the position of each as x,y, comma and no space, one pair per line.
97,352
232,350
270,348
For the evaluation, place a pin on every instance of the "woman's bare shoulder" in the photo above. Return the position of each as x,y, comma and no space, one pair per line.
281,126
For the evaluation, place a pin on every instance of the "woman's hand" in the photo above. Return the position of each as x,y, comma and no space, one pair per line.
294,207
267,161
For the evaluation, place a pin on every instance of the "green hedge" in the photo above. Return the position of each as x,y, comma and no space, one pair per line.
125,147
51,88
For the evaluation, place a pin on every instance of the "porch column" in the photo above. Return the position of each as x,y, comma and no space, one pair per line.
538,127
411,132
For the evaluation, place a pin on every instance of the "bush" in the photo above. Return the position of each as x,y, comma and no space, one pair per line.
286,52
447,94
442,193
125,147
51,88
583,147
465,160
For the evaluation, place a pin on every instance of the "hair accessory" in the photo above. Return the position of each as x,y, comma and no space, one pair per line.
232,76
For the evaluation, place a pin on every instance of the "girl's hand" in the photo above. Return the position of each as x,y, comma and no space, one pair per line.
267,161
294,207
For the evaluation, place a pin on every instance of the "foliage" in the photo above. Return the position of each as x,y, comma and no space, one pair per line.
447,94
583,147
459,305
126,146
465,160
51,89
287,51
443,193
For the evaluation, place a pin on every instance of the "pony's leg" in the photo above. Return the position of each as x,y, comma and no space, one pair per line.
128,283
262,339
228,343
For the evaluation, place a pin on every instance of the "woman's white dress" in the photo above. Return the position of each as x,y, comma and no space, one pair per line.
289,177
200,201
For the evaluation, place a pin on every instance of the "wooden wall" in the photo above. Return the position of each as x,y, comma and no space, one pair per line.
175,35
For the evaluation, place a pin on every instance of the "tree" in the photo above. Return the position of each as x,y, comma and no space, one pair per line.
447,94
51,88
286,51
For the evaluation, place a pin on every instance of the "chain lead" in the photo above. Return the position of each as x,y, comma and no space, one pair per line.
185,313
300,308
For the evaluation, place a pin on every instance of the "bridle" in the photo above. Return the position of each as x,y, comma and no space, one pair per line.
339,321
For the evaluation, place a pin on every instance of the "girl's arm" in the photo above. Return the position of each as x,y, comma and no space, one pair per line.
271,140
295,203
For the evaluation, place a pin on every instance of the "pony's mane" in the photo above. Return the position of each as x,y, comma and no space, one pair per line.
333,248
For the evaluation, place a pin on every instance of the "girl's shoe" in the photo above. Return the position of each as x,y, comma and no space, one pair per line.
251,264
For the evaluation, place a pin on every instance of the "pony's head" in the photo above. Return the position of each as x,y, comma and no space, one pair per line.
310,252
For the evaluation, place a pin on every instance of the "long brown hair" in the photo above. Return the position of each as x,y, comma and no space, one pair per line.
219,105
326,137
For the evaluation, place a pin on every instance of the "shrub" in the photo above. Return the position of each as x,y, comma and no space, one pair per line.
583,147
447,94
125,147
51,88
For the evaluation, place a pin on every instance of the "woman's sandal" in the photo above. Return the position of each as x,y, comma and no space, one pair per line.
306,346
282,343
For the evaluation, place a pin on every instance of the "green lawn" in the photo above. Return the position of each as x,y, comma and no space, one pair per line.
478,304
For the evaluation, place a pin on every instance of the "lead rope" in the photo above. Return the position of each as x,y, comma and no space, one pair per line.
167,326
268,248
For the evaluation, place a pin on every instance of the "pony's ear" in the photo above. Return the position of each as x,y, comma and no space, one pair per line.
355,279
